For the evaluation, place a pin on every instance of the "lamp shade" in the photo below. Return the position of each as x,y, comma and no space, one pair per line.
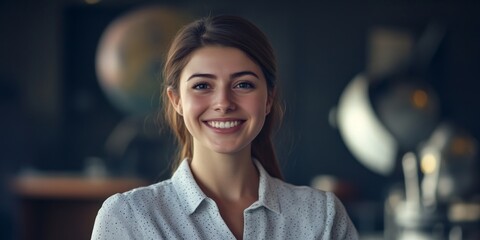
378,123
363,133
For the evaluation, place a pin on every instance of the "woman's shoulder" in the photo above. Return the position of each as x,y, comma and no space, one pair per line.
159,188
123,215
141,196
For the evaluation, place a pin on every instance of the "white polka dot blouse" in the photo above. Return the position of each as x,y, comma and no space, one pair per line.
178,209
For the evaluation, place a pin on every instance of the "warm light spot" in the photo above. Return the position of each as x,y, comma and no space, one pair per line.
419,98
92,1
466,212
428,164
324,182
461,146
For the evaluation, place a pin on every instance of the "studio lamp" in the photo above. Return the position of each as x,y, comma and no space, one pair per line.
390,119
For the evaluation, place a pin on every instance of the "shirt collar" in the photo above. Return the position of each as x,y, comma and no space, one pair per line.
191,196
187,188
267,189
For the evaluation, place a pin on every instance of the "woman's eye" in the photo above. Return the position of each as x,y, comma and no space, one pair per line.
201,86
245,85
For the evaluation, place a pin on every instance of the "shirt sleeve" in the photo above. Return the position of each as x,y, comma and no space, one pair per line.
341,227
115,220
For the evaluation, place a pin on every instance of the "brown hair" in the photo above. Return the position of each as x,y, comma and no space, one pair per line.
228,31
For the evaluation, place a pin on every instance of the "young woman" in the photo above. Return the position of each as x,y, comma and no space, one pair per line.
220,101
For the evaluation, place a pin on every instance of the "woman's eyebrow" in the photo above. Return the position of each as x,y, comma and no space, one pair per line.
201,75
232,76
243,73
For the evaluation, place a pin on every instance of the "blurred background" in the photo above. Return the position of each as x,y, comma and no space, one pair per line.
79,96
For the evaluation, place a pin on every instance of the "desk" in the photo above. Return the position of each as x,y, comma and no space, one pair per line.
64,207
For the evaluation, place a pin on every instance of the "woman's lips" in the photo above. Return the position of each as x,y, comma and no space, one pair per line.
224,124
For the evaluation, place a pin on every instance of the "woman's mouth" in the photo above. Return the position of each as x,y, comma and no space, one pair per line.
224,124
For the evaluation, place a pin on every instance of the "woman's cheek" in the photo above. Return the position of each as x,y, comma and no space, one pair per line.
195,105
260,105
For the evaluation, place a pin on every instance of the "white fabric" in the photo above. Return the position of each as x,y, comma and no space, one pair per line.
178,209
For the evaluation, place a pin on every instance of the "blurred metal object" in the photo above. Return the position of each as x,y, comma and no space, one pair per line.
365,136
400,116
456,153
420,224
450,207
391,111
412,190
409,108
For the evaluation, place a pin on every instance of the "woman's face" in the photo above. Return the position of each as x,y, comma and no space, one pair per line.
223,98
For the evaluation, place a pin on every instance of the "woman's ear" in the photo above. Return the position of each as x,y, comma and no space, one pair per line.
269,104
174,98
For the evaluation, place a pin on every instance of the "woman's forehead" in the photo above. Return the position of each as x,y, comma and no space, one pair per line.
219,60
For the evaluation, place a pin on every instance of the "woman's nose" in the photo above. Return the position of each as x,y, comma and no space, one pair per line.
224,101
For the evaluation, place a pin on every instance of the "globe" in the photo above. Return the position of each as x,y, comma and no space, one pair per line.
130,57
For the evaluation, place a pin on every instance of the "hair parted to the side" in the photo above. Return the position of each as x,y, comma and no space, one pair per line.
228,31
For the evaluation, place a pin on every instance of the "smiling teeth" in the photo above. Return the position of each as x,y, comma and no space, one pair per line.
228,124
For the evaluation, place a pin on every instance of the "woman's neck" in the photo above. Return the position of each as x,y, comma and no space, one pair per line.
226,177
